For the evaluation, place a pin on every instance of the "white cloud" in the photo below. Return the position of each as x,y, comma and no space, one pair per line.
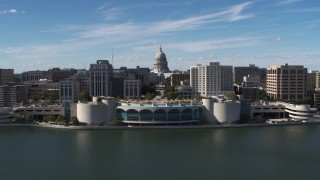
130,30
13,11
10,11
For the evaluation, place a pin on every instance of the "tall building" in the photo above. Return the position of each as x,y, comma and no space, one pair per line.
6,76
100,75
211,80
311,80
161,63
123,74
10,95
251,70
287,82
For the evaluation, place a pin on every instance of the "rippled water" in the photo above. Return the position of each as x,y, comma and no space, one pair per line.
291,152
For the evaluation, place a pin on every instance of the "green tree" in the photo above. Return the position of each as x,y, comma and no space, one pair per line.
149,96
151,88
18,118
61,119
171,95
52,96
29,118
262,95
35,98
84,96
231,96
49,118
74,120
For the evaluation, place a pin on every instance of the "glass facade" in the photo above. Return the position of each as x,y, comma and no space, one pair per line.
173,115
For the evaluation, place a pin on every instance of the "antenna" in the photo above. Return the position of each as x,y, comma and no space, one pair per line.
112,57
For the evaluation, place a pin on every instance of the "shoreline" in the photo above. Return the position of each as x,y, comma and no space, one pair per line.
53,126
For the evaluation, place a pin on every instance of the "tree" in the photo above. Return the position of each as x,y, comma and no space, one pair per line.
171,95
61,119
262,95
29,118
149,96
84,96
49,118
231,96
35,97
74,120
52,96
18,118
151,88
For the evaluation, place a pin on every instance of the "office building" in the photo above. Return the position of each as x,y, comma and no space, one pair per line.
100,75
211,80
6,76
286,82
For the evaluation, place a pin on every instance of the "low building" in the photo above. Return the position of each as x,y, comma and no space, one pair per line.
5,115
39,112
301,112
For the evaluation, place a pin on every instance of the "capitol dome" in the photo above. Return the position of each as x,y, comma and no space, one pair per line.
161,63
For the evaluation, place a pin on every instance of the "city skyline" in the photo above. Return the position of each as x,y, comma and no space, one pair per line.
39,35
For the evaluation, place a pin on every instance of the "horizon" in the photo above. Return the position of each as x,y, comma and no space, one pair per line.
40,35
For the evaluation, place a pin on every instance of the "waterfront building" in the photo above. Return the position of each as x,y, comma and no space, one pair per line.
218,111
39,112
100,75
5,115
287,82
6,76
211,80
161,63
107,110
263,112
301,112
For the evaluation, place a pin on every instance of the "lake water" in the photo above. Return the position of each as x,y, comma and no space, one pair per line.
288,152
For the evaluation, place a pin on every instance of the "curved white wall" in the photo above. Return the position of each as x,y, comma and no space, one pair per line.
226,111
92,113
208,110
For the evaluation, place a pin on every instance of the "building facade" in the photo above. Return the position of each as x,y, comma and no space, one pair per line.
11,95
211,80
6,76
100,75
161,63
69,90
132,89
287,82
251,70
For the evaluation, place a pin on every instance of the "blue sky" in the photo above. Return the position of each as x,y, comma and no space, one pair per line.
41,34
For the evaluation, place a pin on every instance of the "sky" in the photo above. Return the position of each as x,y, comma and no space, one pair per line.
42,34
